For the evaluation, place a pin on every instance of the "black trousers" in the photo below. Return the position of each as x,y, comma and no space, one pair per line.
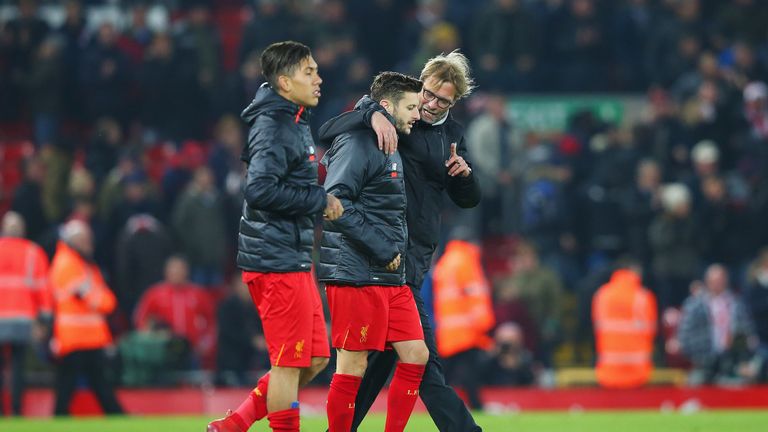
465,370
90,364
14,351
443,404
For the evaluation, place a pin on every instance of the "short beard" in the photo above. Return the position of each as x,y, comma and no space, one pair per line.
400,125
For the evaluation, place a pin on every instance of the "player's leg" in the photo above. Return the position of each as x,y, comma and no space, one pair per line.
443,404
350,367
320,349
286,313
404,388
380,367
358,326
406,337
308,374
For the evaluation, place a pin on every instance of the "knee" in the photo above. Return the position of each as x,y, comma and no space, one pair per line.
422,354
352,362
318,364
416,354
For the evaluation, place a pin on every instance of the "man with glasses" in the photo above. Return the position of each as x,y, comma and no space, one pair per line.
434,161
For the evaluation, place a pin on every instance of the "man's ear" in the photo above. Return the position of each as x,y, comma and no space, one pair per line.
387,105
285,83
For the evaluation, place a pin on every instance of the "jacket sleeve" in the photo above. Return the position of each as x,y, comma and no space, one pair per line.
464,191
357,119
688,329
270,160
100,299
349,168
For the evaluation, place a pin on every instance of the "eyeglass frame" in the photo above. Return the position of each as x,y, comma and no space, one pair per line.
429,96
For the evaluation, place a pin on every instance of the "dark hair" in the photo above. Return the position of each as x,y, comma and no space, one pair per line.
392,85
282,58
627,262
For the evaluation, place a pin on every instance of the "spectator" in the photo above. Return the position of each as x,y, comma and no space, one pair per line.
269,23
676,241
27,198
199,223
136,198
185,308
24,35
580,44
165,81
673,46
728,238
198,42
137,37
640,206
708,115
633,24
511,363
104,73
742,20
715,330
756,109
506,42
102,152
241,344
141,250
44,86
541,291
490,140
74,34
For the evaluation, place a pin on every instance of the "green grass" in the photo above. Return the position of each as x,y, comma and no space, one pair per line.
709,421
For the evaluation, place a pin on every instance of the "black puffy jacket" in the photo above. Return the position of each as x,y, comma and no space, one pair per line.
357,247
424,153
282,197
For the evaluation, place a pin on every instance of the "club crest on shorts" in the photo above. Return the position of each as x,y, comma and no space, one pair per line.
364,333
299,350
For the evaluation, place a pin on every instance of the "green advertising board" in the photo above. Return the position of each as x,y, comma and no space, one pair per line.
546,114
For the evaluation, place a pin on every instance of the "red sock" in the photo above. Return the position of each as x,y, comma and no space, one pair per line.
254,408
403,392
341,402
285,420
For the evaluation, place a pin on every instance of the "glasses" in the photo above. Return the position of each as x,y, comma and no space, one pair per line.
442,103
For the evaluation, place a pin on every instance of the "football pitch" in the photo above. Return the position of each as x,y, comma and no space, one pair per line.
619,421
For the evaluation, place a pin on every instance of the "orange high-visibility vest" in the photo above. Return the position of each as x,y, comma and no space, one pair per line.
82,302
462,300
624,315
24,291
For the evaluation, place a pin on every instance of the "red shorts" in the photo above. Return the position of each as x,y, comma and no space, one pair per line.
292,316
368,318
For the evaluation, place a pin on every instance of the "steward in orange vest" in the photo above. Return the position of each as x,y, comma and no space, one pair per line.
624,315
83,301
80,331
25,301
24,292
462,300
463,315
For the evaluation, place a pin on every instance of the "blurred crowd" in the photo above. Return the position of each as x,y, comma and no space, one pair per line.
124,115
